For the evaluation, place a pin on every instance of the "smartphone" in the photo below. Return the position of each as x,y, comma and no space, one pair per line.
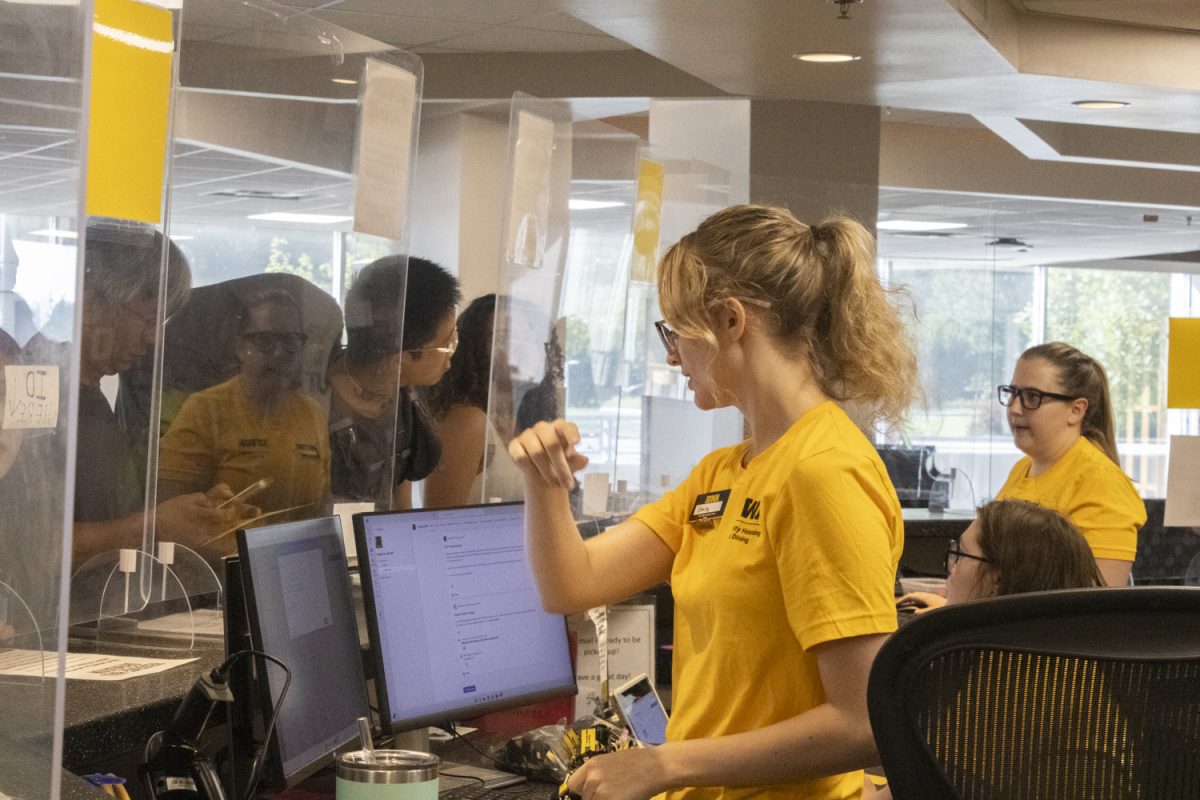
249,491
640,708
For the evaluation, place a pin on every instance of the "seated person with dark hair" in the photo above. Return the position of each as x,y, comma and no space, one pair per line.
1012,547
259,424
120,303
380,434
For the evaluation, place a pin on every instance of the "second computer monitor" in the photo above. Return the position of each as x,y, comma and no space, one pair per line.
299,608
455,622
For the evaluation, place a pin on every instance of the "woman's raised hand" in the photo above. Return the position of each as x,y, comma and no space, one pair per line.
546,453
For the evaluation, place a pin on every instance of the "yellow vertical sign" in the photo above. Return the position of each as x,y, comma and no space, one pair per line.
646,220
132,47
1183,363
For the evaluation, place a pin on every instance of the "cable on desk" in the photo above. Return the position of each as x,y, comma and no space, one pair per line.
453,731
256,769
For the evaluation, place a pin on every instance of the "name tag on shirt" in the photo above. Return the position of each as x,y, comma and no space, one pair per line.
709,506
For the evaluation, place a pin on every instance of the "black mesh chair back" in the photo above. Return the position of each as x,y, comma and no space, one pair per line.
1091,693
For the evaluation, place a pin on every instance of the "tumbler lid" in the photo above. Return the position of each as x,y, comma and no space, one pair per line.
387,766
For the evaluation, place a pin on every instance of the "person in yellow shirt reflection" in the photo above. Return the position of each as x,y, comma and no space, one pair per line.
1062,420
780,551
258,424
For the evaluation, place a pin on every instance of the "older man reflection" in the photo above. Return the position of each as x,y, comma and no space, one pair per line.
120,301
257,425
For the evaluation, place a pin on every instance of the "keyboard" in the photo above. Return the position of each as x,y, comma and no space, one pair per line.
519,791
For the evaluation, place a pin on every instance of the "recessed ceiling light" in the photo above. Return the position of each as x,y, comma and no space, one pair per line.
579,204
918,225
291,216
826,58
1100,104
345,81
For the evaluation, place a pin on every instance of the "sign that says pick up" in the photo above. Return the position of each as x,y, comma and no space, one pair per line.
30,396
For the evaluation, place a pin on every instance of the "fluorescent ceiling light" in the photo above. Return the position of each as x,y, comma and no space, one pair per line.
1100,104
579,204
826,58
182,238
291,216
918,225
55,234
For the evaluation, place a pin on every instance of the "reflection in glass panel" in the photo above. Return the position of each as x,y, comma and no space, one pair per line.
972,323
41,102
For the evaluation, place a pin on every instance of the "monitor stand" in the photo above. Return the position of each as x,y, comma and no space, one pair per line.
452,773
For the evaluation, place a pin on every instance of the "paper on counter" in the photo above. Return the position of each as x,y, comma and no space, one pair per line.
83,666
1183,483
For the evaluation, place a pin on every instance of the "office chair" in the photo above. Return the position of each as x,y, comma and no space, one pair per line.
1091,693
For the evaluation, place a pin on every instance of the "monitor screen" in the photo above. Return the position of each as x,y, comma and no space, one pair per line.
298,601
455,622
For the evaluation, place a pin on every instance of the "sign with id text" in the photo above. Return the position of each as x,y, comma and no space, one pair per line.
30,396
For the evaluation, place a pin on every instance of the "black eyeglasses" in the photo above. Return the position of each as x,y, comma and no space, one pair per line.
954,553
267,341
1030,398
667,336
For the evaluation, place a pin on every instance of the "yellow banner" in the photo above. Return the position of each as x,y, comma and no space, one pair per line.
132,48
1183,363
646,221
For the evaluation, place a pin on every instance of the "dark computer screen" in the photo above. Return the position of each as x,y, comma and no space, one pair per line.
297,596
456,626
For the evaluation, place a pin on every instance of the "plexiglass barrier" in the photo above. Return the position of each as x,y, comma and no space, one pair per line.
276,385
42,121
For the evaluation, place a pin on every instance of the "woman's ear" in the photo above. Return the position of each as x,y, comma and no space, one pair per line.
729,320
987,581
1078,411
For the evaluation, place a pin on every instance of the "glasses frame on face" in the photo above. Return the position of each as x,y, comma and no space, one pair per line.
955,553
1031,398
448,349
266,341
668,337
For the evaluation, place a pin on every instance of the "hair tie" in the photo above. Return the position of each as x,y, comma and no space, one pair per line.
821,233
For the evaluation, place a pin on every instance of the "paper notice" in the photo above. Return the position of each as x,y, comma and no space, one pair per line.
529,198
630,652
385,135
1183,483
30,396
83,666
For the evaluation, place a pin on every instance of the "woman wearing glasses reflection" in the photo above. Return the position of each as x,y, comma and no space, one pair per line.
259,424
780,551
1062,420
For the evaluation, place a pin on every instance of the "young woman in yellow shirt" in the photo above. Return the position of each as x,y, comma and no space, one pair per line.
781,551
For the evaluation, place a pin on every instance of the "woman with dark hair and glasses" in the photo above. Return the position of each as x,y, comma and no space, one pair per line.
257,425
1062,420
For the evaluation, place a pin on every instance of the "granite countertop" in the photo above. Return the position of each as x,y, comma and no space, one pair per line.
102,718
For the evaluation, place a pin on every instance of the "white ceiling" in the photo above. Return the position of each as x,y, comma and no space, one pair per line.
926,62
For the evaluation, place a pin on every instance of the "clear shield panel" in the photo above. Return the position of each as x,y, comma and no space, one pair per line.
528,355
275,389
42,120
671,433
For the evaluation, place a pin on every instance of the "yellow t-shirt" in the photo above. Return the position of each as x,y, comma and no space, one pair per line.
1089,489
219,437
805,553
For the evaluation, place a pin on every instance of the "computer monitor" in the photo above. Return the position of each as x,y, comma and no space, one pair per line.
296,591
455,623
